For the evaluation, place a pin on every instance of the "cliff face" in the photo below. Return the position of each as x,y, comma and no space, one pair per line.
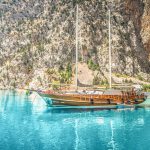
37,36
145,26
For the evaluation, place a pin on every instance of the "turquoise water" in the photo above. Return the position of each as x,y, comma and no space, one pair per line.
27,124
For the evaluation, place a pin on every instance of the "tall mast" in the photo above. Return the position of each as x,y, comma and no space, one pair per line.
76,77
110,79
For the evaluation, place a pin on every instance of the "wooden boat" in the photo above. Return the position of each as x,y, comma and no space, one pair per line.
106,100
112,99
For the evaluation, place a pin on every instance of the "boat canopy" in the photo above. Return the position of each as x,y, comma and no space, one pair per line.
112,92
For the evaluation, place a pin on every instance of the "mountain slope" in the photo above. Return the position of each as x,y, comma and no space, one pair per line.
37,40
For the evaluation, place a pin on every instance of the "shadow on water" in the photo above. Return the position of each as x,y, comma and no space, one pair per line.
74,110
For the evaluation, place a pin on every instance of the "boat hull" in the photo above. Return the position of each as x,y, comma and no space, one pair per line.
93,101
71,103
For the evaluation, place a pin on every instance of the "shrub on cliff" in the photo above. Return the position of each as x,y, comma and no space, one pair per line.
93,66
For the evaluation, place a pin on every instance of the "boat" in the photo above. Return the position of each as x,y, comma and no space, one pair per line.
109,99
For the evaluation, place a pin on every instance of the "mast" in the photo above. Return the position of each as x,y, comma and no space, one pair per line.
110,71
76,75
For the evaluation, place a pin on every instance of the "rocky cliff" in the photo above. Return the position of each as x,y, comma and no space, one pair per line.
37,41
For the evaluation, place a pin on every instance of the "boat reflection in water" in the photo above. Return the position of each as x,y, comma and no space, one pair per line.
94,128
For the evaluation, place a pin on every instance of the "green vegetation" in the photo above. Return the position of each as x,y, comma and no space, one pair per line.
104,83
61,68
146,87
39,79
126,35
140,77
93,66
50,71
27,92
128,81
55,85
62,75
77,2
80,59
96,80
40,48
14,84
121,75
25,48
92,52
65,74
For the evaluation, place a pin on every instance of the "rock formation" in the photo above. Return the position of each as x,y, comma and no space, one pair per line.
37,39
